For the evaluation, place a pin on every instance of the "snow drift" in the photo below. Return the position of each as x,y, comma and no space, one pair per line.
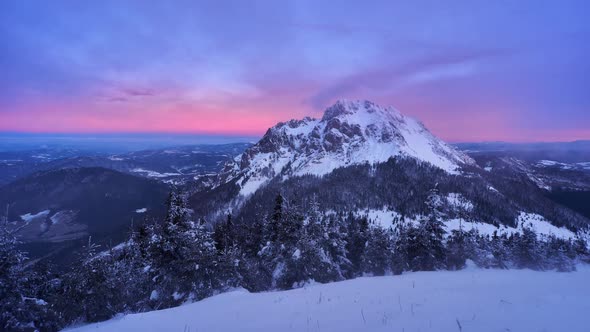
467,300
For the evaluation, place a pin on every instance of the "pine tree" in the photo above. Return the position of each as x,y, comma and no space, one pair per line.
251,235
18,303
177,212
41,286
479,249
456,251
270,255
499,251
290,225
134,268
280,254
400,259
377,255
272,227
229,255
559,255
224,234
334,243
11,261
230,266
426,251
358,234
580,247
319,252
527,249
184,258
88,291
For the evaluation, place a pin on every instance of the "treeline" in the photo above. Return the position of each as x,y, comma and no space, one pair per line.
164,264
402,185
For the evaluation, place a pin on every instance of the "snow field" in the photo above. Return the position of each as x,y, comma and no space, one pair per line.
467,300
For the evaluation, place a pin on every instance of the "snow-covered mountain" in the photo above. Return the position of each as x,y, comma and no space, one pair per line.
349,133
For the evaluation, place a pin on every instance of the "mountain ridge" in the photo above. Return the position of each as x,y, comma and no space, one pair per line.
349,133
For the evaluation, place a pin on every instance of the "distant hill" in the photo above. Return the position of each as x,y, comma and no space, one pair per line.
62,208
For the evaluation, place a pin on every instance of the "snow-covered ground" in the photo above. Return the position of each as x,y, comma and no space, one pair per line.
544,228
552,163
153,174
32,216
467,300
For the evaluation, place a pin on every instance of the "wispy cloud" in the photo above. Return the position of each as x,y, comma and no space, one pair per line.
487,68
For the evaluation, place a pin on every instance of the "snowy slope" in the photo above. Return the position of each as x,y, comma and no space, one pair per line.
385,218
350,132
573,166
467,300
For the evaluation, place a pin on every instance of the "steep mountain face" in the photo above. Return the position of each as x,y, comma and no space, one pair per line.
364,159
349,133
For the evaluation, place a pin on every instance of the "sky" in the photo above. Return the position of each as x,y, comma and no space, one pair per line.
470,70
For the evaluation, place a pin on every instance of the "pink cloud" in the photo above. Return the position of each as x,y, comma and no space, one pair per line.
170,111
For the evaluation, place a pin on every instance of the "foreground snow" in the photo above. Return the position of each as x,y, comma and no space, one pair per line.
468,300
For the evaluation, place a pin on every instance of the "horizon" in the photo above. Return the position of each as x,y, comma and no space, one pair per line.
207,69
217,138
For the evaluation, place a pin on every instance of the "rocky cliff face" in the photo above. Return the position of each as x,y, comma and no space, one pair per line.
350,132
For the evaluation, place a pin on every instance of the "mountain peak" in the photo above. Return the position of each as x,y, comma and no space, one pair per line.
349,133
344,107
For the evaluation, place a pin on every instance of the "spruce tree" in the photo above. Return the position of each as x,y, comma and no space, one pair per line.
499,250
19,306
88,291
224,234
333,243
377,254
427,251
229,255
527,249
279,256
456,251
356,242
184,258
400,259
272,227
559,255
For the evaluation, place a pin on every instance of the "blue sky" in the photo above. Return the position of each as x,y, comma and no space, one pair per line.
470,70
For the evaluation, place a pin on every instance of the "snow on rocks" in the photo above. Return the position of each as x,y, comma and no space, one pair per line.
32,216
493,189
349,133
154,295
64,216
